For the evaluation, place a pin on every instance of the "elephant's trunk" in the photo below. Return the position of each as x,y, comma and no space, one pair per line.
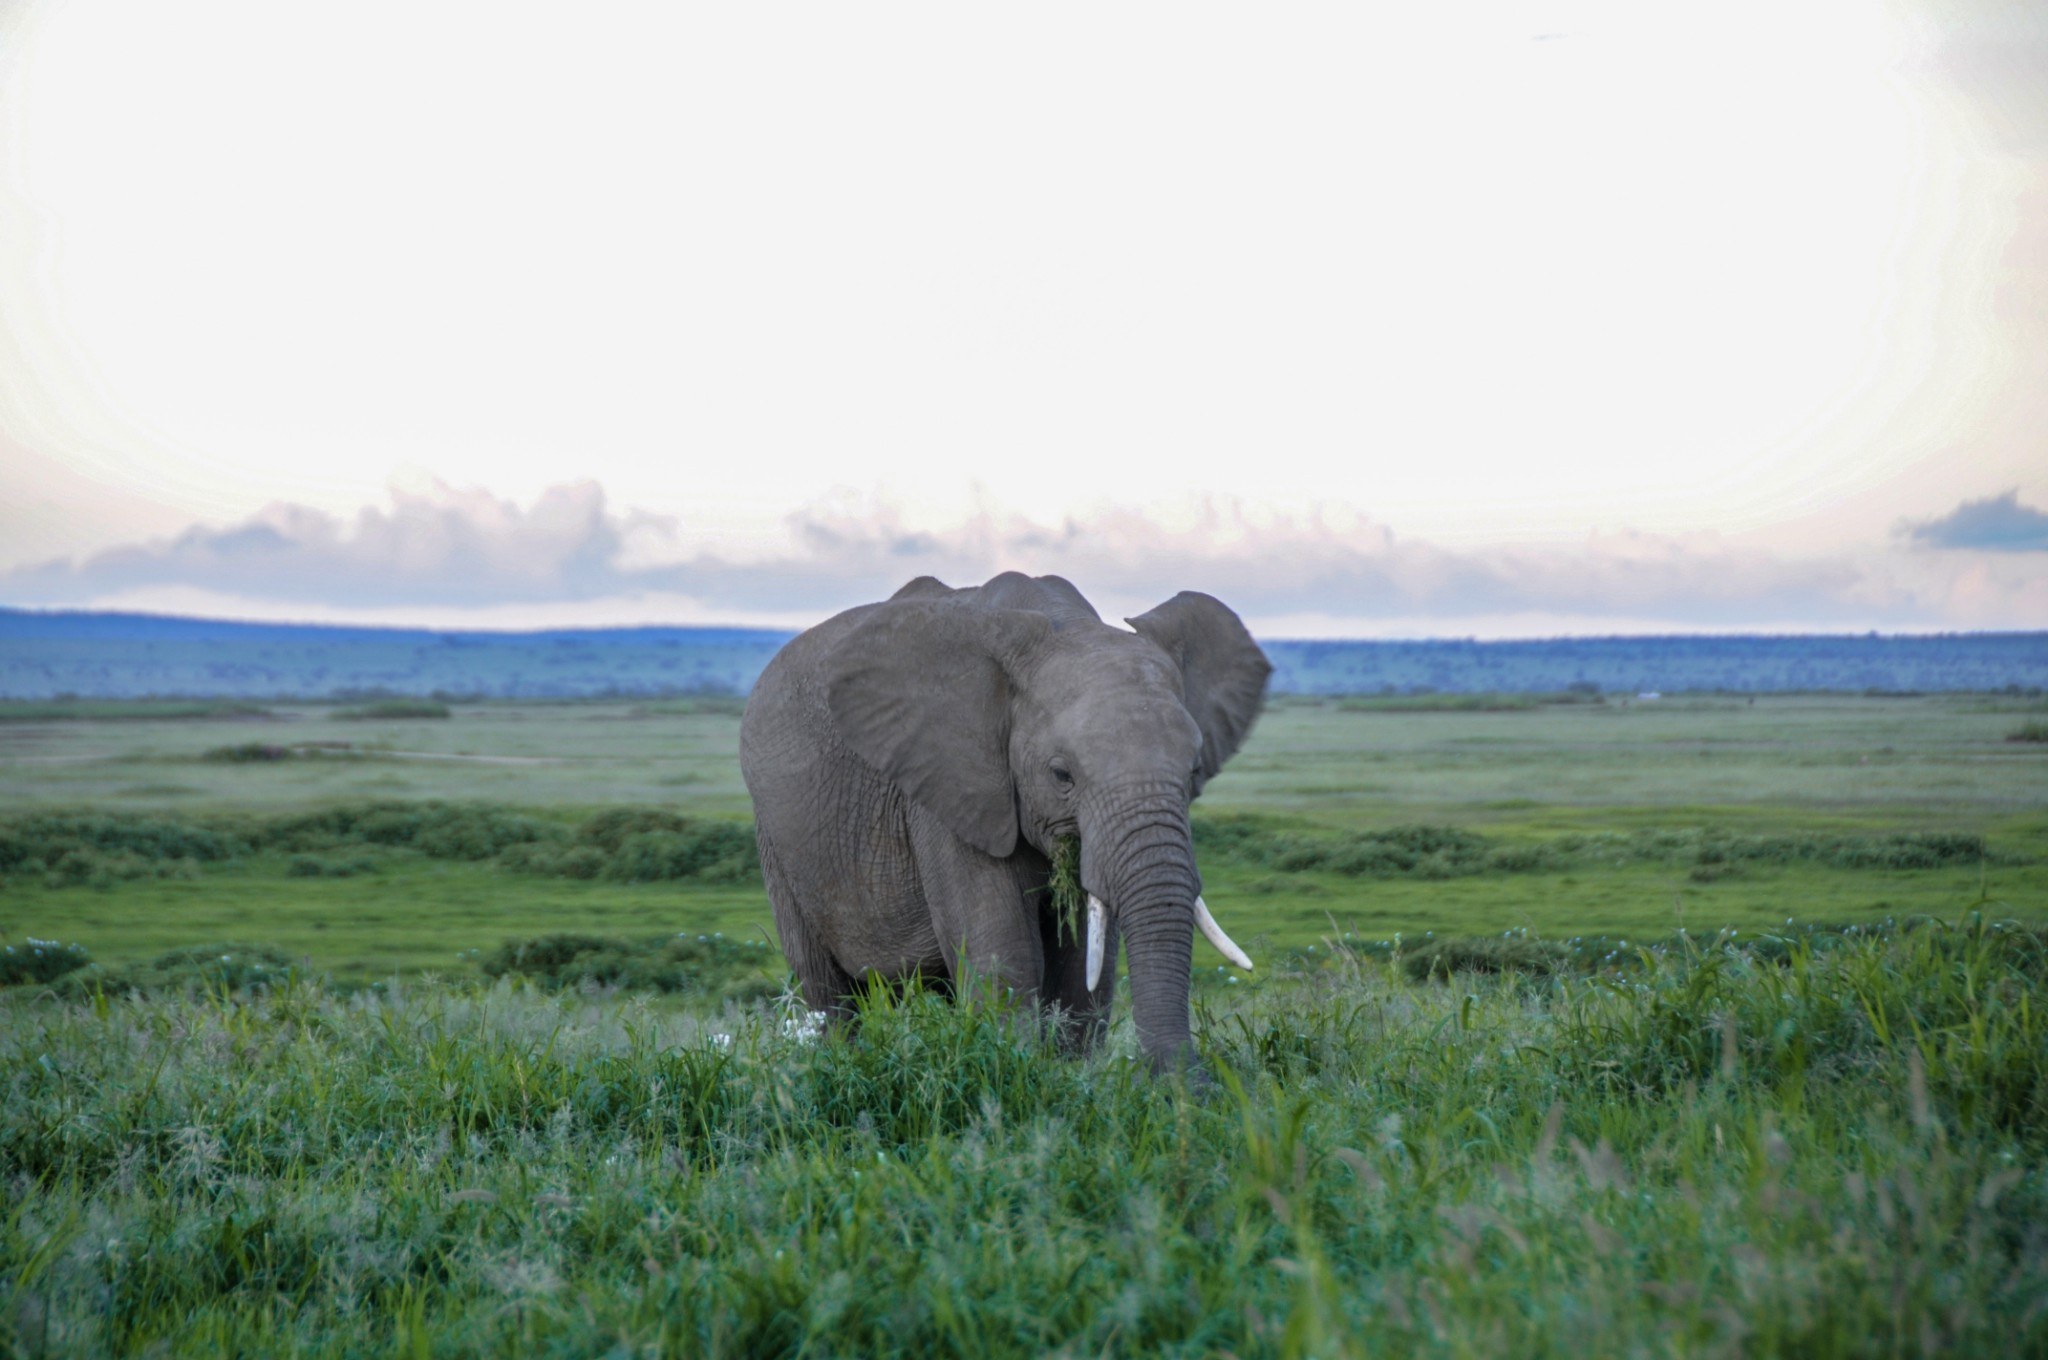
1138,856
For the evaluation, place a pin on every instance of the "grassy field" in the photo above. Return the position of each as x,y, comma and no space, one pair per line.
1623,786
1836,1152
1503,1082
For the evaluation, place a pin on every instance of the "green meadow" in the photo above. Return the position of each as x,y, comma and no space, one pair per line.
1576,819
1697,1026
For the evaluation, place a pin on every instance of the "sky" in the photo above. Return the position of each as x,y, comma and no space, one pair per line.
1488,319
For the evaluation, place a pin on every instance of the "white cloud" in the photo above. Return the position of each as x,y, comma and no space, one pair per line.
1993,524
437,554
436,545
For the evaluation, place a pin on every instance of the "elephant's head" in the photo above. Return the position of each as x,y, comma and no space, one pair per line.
1012,711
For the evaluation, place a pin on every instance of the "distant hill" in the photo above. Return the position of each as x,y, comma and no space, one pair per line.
1947,661
111,656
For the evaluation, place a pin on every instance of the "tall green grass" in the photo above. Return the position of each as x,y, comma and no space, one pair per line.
1829,1150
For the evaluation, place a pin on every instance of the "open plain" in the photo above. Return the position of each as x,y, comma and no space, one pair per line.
1695,1026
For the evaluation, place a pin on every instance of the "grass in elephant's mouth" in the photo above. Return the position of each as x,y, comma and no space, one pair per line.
1069,898
1831,1151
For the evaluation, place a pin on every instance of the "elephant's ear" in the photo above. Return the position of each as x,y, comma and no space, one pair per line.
921,691
1223,672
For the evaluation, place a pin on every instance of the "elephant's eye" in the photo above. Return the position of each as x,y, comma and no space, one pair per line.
1062,773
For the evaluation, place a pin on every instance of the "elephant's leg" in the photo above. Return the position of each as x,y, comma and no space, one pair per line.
1084,1014
980,909
826,986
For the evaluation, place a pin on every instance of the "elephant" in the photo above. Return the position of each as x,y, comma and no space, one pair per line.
915,764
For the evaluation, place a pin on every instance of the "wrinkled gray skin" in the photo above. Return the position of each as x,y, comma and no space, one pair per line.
914,763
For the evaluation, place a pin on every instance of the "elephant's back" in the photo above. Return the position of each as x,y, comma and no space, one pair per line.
786,730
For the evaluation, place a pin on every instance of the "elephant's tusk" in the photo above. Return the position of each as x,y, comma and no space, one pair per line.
1225,946
1098,934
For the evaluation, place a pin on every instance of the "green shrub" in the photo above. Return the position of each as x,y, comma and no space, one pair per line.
72,852
1521,859
609,829
1421,851
75,868
1511,953
1908,850
709,964
642,845
1438,852
248,753
239,968
545,957
649,845
316,866
44,838
467,831
84,868
472,832
37,961
141,710
2029,731
625,845
393,710
717,852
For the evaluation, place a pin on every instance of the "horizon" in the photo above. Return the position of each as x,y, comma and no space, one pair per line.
1729,634
68,656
